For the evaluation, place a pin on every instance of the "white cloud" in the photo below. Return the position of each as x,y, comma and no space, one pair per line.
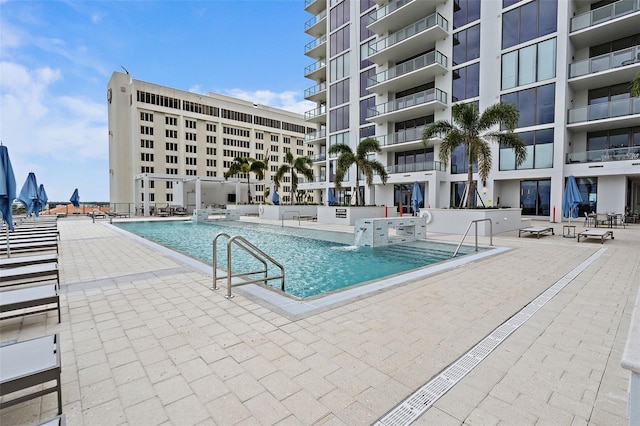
288,100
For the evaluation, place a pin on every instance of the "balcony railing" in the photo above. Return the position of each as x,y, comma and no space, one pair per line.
605,62
409,31
416,167
387,9
315,89
604,14
602,155
620,108
315,66
315,112
312,136
313,180
315,43
409,135
419,98
318,157
421,61
311,22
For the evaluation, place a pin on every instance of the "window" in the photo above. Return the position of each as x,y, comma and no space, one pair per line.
539,145
466,45
190,148
365,32
146,130
535,197
339,93
619,141
211,127
339,67
339,41
529,64
531,20
190,136
465,11
145,156
339,15
364,81
170,146
146,116
365,104
146,143
171,134
190,124
171,121
466,82
536,105
460,161
339,119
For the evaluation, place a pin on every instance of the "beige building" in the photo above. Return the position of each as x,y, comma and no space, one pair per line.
168,147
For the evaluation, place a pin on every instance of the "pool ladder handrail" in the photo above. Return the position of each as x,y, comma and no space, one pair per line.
467,231
293,217
251,249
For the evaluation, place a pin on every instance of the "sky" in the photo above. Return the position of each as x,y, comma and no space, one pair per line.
56,58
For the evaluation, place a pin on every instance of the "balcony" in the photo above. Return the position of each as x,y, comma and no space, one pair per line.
425,166
318,157
316,48
604,155
318,115
396,14
316,26
315,179
416,37
315,6
405,140
316,137
606,23
605,70
316,93
606,115
409,74
408,107
317,71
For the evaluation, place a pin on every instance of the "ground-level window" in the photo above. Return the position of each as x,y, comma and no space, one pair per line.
535,197
588,187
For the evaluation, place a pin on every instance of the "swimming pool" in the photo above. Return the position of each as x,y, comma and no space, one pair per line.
315,261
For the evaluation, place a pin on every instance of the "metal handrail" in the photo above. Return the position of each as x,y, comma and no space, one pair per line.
251,249
467,231
293,217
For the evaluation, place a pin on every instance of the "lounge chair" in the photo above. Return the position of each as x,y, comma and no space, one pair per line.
24,299
180,211
22,247
28,274
537,230
30,365
12,262
596,233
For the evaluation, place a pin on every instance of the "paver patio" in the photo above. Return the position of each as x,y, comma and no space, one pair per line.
145,341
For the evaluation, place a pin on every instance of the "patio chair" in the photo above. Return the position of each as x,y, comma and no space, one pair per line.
27,367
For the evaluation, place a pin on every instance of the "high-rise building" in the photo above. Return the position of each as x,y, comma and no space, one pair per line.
169,137
387,69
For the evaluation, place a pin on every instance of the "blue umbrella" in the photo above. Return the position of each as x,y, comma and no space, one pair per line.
43,199
571,198
7,186
416,197
275,198
331,198
29,195
75,199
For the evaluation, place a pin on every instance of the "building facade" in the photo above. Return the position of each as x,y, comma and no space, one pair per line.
387,69
170,138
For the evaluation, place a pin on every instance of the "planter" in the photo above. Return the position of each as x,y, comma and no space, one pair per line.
267,211
345,215
456,221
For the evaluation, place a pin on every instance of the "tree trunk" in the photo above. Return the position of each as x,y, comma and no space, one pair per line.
471,190
249,189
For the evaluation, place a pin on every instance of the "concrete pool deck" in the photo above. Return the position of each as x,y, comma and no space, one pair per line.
144,341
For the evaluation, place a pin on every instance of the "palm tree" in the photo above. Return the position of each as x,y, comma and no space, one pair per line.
292,165
246,165
360,158
635,86
473,131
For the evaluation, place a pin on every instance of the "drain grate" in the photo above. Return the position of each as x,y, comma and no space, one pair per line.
421,400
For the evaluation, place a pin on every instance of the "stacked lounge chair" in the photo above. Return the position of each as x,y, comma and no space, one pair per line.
30,284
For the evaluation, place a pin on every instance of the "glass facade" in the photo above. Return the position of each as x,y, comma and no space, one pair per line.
529,21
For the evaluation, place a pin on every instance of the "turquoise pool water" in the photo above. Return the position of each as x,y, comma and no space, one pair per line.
315,261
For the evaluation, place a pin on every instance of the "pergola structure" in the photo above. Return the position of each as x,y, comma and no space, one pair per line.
192,192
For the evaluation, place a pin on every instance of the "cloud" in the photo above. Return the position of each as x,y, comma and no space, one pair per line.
288,100
36,121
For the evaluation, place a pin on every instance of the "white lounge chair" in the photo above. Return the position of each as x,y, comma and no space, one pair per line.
596,233
537,230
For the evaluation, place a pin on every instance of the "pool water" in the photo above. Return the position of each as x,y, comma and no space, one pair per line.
315,261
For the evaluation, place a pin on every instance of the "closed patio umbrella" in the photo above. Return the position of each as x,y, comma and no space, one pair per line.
42,197
29,195
275,198
331,197
416,197
7,188
75,199
571,199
